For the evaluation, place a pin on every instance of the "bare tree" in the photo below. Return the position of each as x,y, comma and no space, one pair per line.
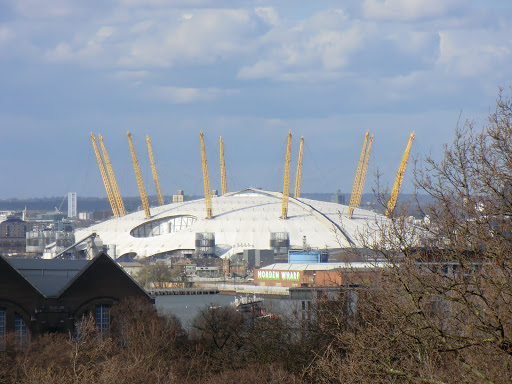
442,311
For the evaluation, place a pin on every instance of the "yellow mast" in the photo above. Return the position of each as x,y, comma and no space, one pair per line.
362,178
112,178
159,196
286,180
399,178
298,176
140,183
357,179
206,180
104,177
223,182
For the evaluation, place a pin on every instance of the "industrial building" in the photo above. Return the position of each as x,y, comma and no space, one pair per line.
313,275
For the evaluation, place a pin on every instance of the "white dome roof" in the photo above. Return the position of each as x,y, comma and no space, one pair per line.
241,220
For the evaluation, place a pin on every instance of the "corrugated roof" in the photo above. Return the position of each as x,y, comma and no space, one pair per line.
49,277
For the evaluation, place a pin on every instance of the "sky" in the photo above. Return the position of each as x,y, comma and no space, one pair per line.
248,71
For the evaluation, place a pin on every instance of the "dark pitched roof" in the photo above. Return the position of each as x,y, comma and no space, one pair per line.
49,277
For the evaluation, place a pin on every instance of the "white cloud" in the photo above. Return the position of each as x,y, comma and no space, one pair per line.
201,37
5,34
409,9
268,14
62,52
83,53
177,95
322,43
475,53
105,32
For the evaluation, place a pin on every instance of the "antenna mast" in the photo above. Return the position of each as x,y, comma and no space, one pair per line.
223,182
104,177
298,176
399,178
140,183
286,179
353,196
113,182
206,180
159,196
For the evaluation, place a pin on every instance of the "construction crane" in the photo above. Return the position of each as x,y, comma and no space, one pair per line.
112,178
140,183
223,182
159,196
286,180
399,178
357,180
206,180
298,176
104,177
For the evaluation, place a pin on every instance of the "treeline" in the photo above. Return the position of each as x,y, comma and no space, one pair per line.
223,346
353,335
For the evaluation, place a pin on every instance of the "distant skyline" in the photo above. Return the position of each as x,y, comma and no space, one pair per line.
247,70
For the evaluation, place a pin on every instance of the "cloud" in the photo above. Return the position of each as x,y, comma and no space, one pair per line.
87,51
36,9
322,43
268,14
474,53
62,52
201,37
5,34
177,95
409,9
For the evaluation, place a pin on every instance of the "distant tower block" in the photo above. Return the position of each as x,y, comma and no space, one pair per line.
179,198
72,208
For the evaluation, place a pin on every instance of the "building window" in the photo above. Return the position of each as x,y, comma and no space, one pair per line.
102,318
21,332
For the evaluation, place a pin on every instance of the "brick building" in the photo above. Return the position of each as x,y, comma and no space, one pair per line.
39,296
316,274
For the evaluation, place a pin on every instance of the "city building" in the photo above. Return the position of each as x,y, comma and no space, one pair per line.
72,205
39,296
13,232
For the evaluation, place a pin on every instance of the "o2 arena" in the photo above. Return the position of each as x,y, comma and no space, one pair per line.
248,219
223,226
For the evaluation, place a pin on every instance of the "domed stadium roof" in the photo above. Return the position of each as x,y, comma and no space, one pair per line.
247,219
